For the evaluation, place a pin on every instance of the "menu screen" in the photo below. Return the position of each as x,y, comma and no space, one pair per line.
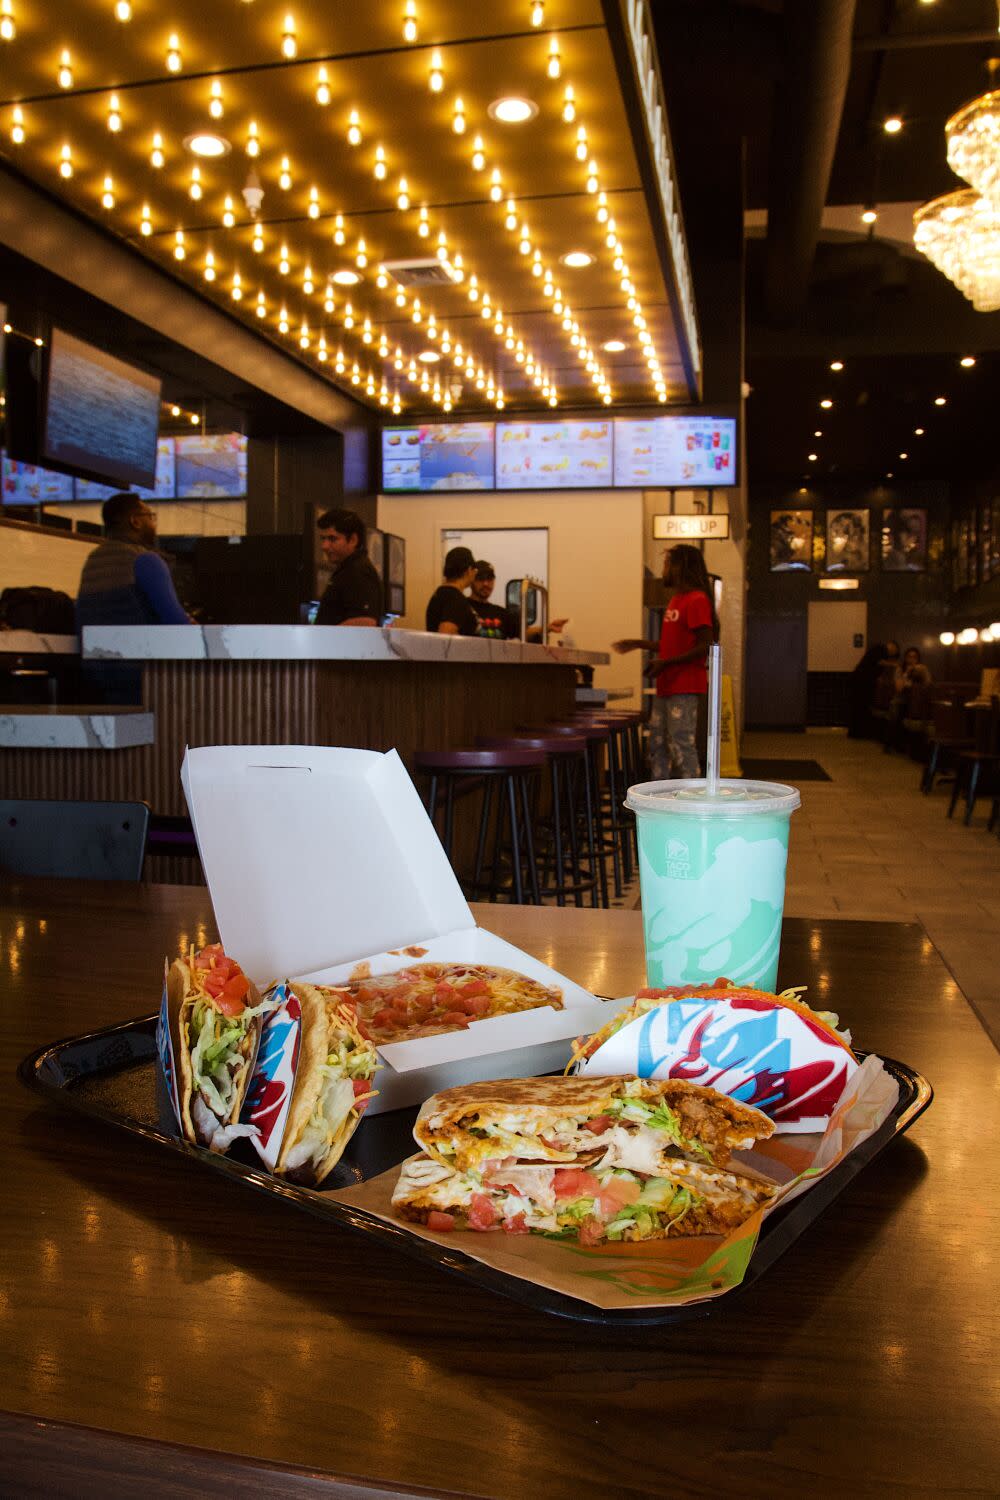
29,484
100,413
554,455
671,452
87,489
447,456
211,465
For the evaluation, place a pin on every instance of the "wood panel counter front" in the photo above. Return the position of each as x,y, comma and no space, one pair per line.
305,685
166,1333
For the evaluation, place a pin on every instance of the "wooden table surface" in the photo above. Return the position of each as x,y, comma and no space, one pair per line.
166,1333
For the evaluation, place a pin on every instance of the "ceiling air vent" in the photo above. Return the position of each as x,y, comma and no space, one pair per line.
419,272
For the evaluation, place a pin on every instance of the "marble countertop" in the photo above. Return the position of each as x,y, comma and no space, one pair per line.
28,643
314,643
80,727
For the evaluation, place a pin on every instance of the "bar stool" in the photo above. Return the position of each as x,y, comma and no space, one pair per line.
566,755
616,783
506,773
598,738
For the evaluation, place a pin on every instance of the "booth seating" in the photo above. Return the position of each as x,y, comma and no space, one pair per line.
564,834
73,840
505,776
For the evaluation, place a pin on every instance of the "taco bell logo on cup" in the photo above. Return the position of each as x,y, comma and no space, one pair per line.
678,864
165,1050
270,1091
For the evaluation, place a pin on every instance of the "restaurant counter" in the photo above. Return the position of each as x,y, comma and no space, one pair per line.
372,689
169,1333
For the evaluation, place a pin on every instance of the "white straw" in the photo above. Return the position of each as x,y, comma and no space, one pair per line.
714,720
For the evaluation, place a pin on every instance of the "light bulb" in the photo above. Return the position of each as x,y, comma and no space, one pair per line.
8,29
592,182
313,209
423,227
283,262
322,87
236,290
458,119
17,126
353,129
65,74
114,114
215,105
478,154
582,149
195,188
361,257
108,197
253,140
554,67
145,223
525,242
283,320
537,12
339,362
348,315
869,216
228,217
510,222
179,251
366,331
338,230
321,353
602,208
308,284
257,243
496,190
410,21
403,195
473,289
435,78
289,43
569,105
304,336
442,246
123,10
329,301
380,168
209,271
173,53
285,175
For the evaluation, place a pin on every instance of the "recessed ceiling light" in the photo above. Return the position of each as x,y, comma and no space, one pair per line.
346,278
836,365
968,361
817,433
206,143
812,457
869,216
826,403
918,432
576,258
940,400
428,356
893,125
512,109
613,346
904,456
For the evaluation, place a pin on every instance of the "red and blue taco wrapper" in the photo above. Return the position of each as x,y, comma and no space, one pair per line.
767,1055
166,1025
671,1272
270,1093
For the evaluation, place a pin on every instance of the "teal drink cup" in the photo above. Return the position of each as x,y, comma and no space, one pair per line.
712,875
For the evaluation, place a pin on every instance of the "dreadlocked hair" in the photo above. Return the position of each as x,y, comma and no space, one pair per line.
692,574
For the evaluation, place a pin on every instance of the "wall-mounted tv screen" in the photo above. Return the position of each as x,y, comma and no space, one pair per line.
682,452
101,414
163,489
444,456
29,484
211,465
571,455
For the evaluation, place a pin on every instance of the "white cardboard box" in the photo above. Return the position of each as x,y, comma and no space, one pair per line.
318,859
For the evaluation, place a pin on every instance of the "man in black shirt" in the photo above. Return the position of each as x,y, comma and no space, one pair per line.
354,594
448,610
494,620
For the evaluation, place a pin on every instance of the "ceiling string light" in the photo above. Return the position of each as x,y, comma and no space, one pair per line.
410,21
8,28
114,115
174,62
65,74
17,132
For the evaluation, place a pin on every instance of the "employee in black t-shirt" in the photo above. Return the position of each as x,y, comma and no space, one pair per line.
494,619
354,594
448,610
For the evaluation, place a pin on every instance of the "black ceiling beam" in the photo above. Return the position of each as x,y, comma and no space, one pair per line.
905,41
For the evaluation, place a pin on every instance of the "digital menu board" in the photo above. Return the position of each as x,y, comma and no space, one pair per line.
697,452
30,484
163,489
570,455
445,456
101,414
211,465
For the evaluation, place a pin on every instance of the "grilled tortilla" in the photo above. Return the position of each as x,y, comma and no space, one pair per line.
332,1085
644,1125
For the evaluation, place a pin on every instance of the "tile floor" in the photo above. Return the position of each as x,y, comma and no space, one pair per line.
868,844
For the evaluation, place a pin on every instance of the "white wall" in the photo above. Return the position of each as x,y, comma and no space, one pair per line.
177,517
42,558
595,559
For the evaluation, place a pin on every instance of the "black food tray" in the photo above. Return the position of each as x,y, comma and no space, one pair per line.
112,1076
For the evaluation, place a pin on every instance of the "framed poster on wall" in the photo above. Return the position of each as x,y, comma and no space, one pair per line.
969,552
904,541
847,540
985,542
791,541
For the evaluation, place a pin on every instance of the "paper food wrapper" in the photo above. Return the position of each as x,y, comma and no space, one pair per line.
671,1272
763,1054
270,1092
165,1027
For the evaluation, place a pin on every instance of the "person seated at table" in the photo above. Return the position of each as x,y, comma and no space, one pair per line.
449,612
354,594
496,620
908,675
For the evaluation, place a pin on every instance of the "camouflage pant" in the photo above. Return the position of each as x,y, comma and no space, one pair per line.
672,726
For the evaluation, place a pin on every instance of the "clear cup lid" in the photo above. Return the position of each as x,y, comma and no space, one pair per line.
734,798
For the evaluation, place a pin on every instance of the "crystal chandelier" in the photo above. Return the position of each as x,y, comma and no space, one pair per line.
960,232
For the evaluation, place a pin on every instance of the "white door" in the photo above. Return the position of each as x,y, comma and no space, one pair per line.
514,553
838,635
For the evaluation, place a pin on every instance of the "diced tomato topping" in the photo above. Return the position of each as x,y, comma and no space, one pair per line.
231,999
401,1004
591,1231
364,1032
455,1018
363,994
671,991
482,1212
616,1194
477,1005
361,1086
208,956
473,987
444,993
598,1125
516,1224
575,1182
384,1017
436,1220
213,983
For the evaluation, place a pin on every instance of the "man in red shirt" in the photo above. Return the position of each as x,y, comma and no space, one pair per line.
689,628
